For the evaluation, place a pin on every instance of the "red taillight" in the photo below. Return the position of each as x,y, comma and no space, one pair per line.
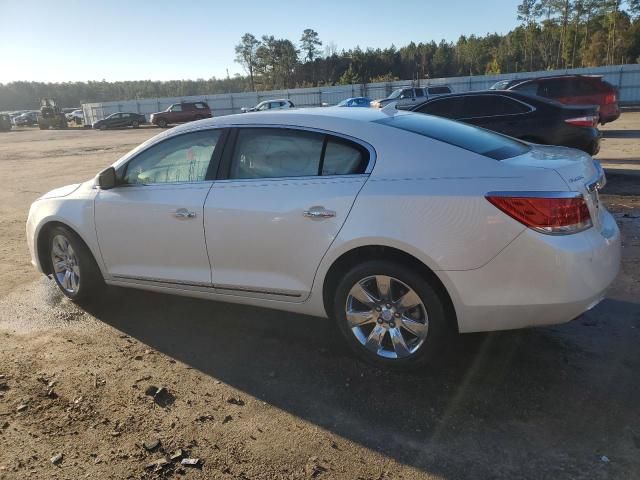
546,212
586,121
610,98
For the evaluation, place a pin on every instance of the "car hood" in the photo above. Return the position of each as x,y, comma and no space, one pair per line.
61,192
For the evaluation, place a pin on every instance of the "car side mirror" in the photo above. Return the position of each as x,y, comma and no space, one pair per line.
107,178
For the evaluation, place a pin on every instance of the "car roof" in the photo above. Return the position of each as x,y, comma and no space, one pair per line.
553,77
319,117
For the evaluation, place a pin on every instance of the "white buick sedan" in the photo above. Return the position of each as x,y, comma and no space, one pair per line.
399,226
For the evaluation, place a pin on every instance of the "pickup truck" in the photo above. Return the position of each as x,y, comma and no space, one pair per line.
407,96
181,113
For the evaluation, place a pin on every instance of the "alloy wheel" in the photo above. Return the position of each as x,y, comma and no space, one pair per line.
387,316
65,264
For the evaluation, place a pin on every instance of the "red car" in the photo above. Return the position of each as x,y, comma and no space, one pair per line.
181,113
571,90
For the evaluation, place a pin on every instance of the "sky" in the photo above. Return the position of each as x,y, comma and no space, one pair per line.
72,40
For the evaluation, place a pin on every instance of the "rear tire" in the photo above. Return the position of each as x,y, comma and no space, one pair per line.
73,267
386,329
135,124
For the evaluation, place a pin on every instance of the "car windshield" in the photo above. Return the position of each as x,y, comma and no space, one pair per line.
396,93
344,103
501,85
473,139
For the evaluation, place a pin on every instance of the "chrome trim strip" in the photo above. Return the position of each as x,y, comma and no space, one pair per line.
534,194
158,280
283,293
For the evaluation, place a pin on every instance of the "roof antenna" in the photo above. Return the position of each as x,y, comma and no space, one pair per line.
390,109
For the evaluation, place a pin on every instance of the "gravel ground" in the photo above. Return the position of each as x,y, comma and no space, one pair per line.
260,394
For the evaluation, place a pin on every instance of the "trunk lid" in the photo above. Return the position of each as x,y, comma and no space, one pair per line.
578,169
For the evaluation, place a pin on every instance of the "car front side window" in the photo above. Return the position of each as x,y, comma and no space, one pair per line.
184,158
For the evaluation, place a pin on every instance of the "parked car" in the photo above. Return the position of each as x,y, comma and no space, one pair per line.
181,113
534,119
26,119
355,102
571,90
120,120
75,116
277,104
400,226
411,96
5,122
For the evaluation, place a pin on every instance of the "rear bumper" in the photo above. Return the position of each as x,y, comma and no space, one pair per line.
609,113
538,280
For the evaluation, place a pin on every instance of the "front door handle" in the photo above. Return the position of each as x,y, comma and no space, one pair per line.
319,212
184,213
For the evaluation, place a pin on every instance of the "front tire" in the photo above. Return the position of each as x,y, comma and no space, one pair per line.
390,315
162,123
103,127
135,124
72,265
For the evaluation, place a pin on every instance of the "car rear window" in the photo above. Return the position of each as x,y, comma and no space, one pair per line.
473,139
438,90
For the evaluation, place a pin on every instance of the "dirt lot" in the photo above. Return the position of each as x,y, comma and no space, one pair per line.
259,394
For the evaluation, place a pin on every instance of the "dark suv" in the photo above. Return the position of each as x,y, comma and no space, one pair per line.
181,113
570,90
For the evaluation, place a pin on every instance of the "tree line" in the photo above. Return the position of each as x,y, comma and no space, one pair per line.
551,34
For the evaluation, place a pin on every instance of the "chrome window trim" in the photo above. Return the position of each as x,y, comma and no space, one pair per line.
362,143
308,178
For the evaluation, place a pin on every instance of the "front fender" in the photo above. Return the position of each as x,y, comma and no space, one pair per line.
75,211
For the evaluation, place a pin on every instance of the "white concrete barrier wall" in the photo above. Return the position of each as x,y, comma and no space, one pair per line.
625,77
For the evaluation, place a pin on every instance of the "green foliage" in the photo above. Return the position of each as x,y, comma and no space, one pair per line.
552,34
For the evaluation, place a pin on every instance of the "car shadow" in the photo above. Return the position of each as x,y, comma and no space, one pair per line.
476,393
621,133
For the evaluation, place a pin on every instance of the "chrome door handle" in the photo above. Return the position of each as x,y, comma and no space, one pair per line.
319,213
184,213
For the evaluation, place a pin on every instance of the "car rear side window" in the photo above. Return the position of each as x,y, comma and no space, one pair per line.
200,106
444,107
276,152
490,105
470,138
529,88
284,152
342,157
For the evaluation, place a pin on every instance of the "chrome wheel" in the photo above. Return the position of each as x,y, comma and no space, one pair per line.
387,316
65,264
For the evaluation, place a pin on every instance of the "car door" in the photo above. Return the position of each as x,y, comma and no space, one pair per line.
125,120
150,227
177,113
285,194
407,97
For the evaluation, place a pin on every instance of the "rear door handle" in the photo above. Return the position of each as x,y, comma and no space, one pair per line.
318,212
184,213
